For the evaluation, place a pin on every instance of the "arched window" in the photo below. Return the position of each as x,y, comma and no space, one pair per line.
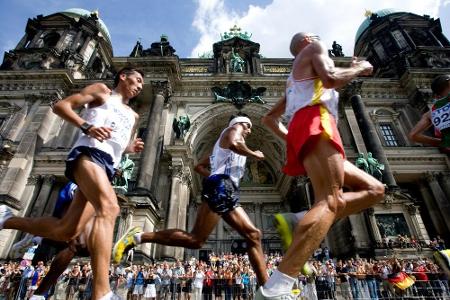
51,39
97,65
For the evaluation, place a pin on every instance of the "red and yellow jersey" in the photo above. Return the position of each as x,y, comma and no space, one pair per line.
309,92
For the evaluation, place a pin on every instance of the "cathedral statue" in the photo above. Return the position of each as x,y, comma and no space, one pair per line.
375,168
123,174
336,50
361,163
237,63
181,126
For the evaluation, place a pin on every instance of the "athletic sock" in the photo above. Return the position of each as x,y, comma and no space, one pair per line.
138,237
108,296
300,215
278,284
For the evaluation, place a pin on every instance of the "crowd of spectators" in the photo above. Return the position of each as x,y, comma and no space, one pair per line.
405,241
230,276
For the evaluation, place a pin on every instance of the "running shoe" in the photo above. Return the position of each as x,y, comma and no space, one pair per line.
259,295
19,248
5,214
37,297
285,224
125,243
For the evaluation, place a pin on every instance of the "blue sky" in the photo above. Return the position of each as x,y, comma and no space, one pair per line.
193,25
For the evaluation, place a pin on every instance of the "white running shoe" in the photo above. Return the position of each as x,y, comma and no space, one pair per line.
259,295
19,248
5,214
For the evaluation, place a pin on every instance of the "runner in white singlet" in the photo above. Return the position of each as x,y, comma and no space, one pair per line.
220,197
107,125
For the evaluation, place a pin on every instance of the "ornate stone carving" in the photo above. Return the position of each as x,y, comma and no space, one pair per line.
195,69
33,179
176,170
186,177
388,200
276,69
162,88
239,93
49,179
353,88
430,176
412,209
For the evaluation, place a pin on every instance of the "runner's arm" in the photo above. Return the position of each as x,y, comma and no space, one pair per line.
331,76
136,144
95,93
202,167
271,119
233,140
416,134
65,107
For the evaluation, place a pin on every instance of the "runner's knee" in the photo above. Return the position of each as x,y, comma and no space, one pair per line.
108,208
197,243
336,202
376,189
66,231
253,236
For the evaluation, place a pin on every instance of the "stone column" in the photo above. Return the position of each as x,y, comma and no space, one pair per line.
76,40
433,210
177,200
42,198
373,224
127,211
445,184
440,198
258,214
182,208
371,138
420,231
220,230
148,158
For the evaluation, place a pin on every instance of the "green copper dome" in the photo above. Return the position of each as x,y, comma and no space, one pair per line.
366,23
79,12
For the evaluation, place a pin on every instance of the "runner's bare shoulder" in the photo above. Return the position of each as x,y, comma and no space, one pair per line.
99,91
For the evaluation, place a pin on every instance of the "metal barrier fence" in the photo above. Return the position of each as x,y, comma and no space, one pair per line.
304,290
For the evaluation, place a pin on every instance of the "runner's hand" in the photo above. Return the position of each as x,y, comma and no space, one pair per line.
259,155
100,133
136,146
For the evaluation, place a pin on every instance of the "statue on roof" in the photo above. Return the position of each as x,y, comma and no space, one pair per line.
336,50
245,35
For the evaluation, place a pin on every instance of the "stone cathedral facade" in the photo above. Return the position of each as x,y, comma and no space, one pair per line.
63,52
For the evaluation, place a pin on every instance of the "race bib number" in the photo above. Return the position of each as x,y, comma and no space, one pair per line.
441,117
121,125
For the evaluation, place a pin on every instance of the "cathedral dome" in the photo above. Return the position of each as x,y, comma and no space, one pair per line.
366,23
76,13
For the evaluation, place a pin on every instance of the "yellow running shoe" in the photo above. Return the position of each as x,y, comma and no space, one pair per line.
285,224
125,243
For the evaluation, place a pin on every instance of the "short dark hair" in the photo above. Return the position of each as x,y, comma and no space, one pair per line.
127,71
439,84
239,114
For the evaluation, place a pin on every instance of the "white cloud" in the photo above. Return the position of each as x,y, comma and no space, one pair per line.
273,25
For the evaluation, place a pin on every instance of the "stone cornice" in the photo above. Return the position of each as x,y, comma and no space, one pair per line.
153,65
